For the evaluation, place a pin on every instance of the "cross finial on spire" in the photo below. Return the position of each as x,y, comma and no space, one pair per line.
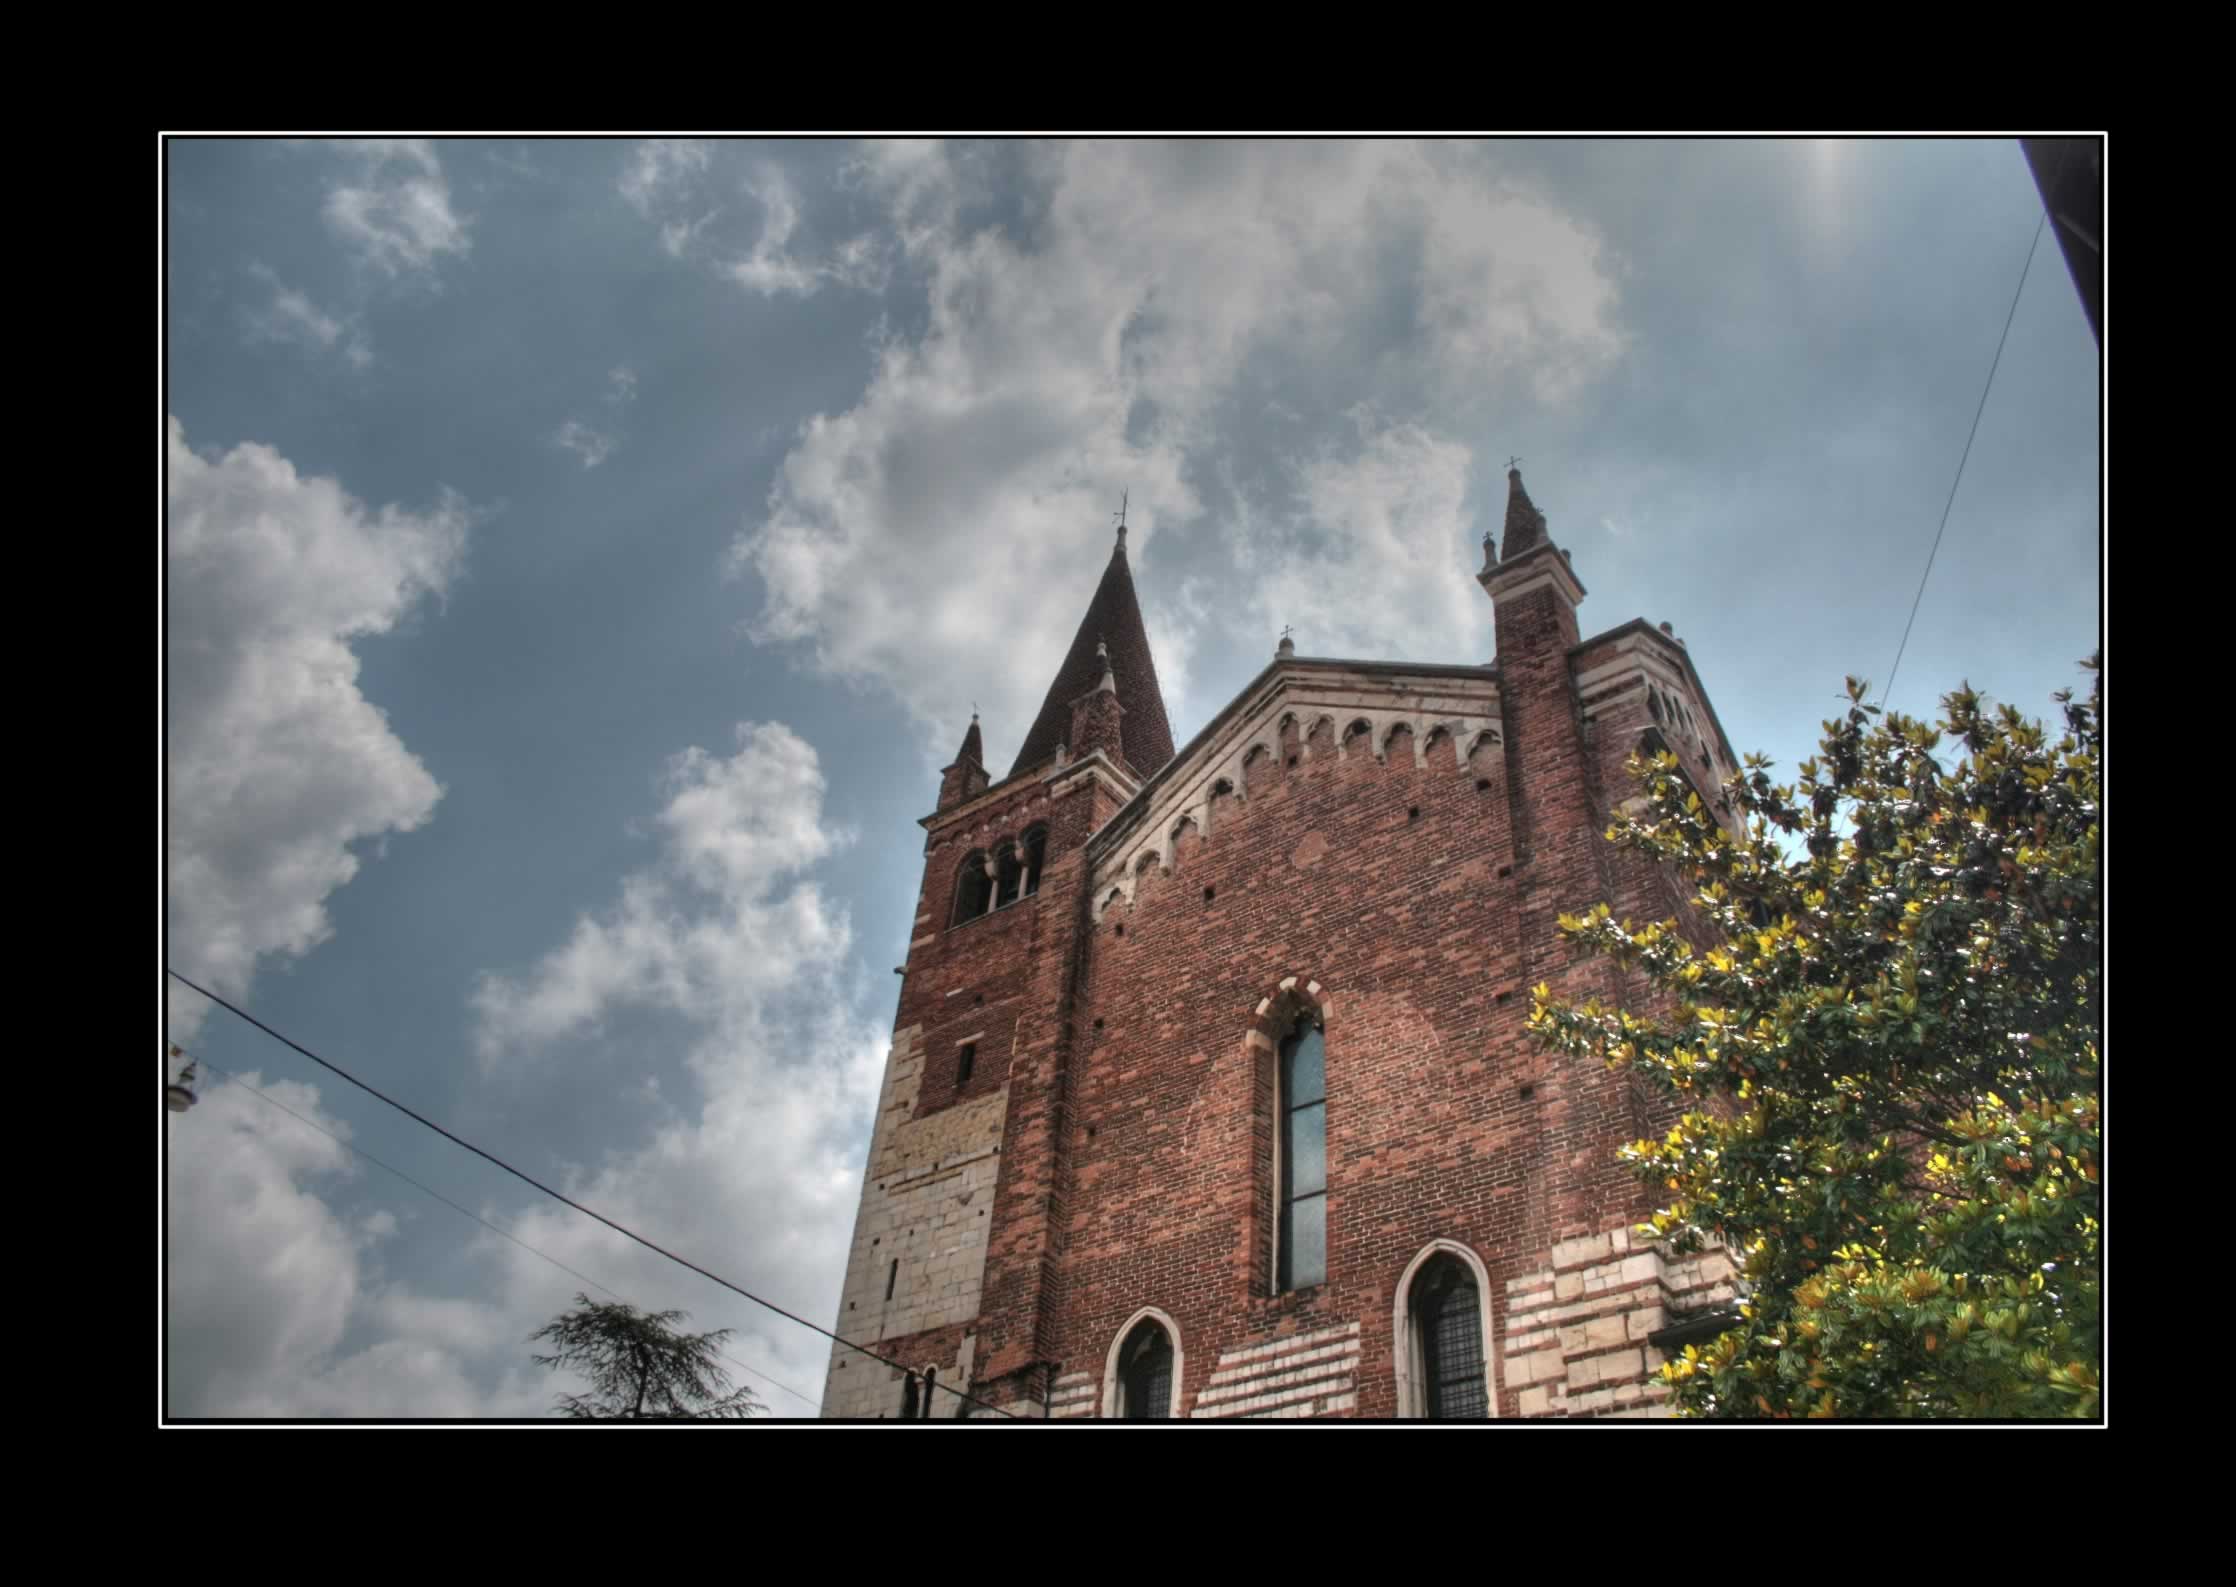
1120,515
1513,465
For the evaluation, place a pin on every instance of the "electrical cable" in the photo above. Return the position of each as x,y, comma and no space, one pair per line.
1888,693
235,1079
557,1196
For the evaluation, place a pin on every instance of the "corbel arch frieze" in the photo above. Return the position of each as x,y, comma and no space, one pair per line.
1187,797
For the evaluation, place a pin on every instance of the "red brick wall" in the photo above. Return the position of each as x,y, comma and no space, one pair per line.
1397,889
1136,1160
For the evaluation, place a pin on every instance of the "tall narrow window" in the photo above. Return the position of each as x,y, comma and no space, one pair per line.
909,1402
1303,1256
1036,854
931,1382
1448,1340
892,1277
965,1062
1145,1375
1009,876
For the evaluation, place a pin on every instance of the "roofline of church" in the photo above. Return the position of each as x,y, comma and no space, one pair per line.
941,818
1109,832
1040,768
1038,771
1669,643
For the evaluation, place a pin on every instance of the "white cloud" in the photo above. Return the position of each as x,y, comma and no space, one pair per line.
658,167
1373,565
680,237
395,210
260,1275
758,1176
660,183
291,316
715,930
586,443
862,262
666,181
278,764
265,1283
769,269
591,445
968,492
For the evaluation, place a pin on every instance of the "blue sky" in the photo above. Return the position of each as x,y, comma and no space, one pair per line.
582,555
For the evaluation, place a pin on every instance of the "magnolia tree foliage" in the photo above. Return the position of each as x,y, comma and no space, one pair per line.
1888,1056
639,1367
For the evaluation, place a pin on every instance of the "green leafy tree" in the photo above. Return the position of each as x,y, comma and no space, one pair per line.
1887,1057
639,1367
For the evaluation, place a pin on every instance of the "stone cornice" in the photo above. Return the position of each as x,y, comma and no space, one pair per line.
1540,563
1670,650
940,820
1097,766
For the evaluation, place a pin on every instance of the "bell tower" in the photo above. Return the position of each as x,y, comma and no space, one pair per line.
958,1239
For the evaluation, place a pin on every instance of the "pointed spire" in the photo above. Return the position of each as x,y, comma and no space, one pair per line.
965,776
1113,622
1525,525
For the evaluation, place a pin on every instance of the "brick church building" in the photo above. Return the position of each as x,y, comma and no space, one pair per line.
1211,1093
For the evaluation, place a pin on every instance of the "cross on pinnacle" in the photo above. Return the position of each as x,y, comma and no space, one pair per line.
1513,462
1120,514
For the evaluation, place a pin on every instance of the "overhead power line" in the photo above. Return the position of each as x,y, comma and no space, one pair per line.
1888,694
563,1199
235,1079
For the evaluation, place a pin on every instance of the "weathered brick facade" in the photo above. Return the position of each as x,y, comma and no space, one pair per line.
1381,847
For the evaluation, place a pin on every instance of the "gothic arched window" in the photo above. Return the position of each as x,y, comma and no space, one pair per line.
1447,1326
1036,856
974,889
1145,1375
1301,1256
1009,876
